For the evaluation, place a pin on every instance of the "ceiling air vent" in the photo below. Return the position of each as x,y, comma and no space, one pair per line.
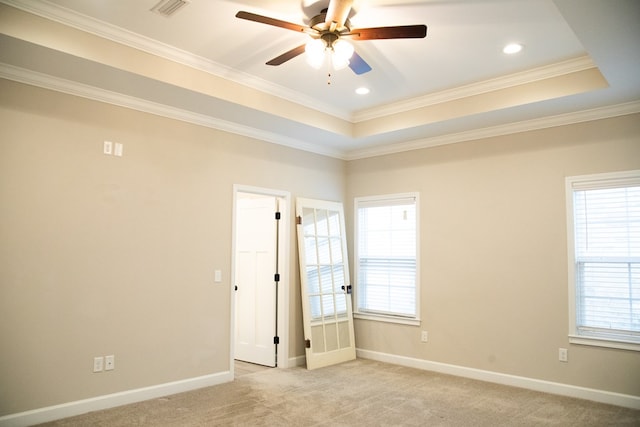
169,7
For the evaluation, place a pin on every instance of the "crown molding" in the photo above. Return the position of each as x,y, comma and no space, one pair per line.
53,12
45,81
85,23
500,130
503,82
57,84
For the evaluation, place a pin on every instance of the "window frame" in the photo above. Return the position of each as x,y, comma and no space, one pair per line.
581,183
380,316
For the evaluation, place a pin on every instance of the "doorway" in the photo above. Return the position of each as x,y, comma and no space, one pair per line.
260,291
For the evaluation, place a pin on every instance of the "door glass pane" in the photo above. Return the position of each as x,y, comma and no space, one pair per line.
338,277
328,308
313,282
336,250
334,223
314,302
309,221
325,279
341,305
311,251
322,224
324,256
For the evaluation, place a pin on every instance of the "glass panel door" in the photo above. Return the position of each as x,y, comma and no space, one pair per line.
326,297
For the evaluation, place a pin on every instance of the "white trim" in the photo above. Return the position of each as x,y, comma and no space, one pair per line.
602,396
284,284
607,112
412,321
128,38
387,200
125,37
57,84
586,182
603,342
545,72
56,412
45,81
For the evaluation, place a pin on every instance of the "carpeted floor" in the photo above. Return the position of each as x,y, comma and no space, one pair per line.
358,393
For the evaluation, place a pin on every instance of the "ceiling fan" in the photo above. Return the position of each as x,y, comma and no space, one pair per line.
328,31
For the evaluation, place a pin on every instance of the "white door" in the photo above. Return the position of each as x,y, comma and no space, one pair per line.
255,269
324,276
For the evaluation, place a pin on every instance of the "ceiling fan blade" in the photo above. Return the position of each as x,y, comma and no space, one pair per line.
338,12
358,65
398,32
272,21
287,55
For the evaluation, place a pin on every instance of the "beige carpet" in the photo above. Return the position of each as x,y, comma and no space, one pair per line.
358,393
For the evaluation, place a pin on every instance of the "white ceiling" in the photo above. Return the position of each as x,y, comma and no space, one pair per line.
444,88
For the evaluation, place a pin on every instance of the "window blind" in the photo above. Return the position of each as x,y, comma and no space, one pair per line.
607,250
386,256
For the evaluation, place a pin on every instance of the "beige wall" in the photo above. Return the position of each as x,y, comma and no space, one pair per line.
494,252
104,255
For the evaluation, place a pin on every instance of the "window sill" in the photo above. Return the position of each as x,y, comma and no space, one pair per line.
602,342
388,319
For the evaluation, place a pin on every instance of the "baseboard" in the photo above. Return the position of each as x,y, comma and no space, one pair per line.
70,409
297,361
618,399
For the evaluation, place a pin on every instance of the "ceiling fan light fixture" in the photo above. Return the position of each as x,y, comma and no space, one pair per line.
337,52
337,62
315,50
343,49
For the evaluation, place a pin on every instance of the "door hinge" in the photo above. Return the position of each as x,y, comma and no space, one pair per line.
298,220
277,216
276,277
307,343
276,340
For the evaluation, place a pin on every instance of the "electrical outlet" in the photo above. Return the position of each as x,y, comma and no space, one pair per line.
424,337
109,363
98,364
563,355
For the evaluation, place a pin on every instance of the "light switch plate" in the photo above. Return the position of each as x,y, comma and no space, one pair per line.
107,148
98,364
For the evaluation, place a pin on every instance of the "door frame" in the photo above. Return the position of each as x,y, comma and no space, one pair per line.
284,254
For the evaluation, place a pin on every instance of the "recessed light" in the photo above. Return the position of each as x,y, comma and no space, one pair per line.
362,90
512,48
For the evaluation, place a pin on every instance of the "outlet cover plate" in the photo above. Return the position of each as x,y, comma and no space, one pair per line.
563,354
109,363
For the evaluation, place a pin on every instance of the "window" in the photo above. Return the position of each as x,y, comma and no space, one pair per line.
386,253
604,259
